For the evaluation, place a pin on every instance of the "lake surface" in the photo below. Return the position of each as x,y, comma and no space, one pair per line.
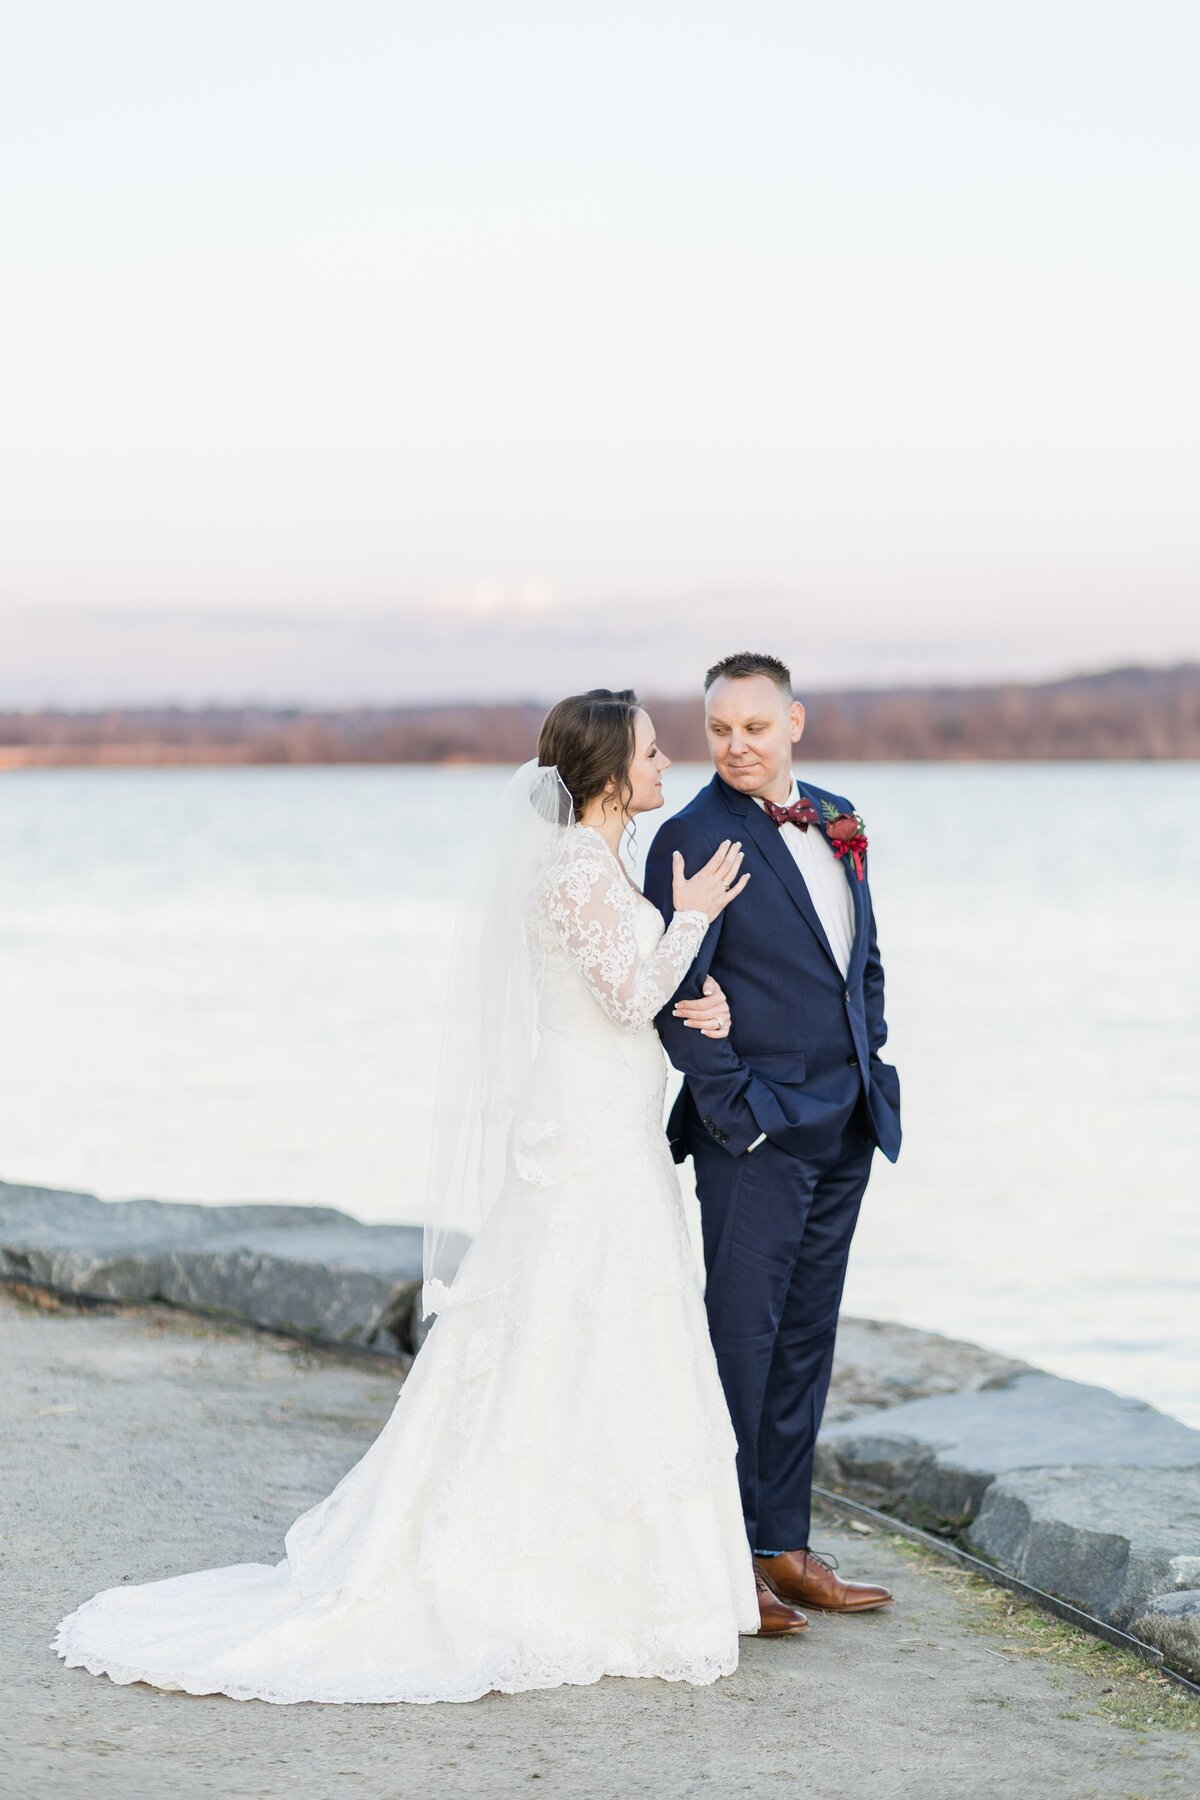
226,984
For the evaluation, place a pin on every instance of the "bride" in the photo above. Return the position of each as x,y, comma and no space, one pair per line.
554,1497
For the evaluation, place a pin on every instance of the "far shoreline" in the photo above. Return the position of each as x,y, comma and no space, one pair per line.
1132,714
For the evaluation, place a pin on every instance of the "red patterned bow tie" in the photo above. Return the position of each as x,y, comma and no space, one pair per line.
803,813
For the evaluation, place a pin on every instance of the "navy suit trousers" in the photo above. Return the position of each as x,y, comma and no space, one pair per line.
777,1231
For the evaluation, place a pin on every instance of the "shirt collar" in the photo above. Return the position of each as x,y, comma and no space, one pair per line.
792,797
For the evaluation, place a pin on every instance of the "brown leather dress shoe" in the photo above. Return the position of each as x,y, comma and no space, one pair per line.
776,1617
801,1576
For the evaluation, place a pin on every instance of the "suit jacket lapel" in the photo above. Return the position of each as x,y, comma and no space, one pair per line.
859,943
769,839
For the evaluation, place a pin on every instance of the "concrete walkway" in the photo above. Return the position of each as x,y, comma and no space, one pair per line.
141,1443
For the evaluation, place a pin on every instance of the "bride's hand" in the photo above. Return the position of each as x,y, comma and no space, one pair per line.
709,1016
711,888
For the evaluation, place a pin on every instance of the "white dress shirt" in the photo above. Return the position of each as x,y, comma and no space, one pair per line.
825,879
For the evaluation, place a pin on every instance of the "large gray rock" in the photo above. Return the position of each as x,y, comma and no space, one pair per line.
1106,1538
1172,1624
1088,1494
303,1268
878,1363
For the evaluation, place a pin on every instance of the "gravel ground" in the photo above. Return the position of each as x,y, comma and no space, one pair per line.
142,1443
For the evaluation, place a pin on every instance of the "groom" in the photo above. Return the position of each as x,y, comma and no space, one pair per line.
782,1117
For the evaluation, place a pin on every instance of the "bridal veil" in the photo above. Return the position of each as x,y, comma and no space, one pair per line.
490,1032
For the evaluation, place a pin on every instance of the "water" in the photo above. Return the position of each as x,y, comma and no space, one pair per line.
225,984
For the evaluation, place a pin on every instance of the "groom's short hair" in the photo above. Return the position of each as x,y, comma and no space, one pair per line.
748,662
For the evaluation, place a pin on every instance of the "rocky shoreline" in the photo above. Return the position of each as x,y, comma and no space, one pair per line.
308,1269
1091,1495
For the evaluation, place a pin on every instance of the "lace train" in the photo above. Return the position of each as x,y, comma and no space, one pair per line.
535,1511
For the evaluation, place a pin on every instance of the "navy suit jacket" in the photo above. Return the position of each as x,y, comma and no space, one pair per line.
805,1041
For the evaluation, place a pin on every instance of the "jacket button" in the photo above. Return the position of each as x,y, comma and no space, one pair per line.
846,996
853,1061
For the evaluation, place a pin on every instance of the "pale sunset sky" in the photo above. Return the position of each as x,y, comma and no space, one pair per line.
374,352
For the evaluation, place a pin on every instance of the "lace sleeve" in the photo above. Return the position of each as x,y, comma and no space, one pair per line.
590,912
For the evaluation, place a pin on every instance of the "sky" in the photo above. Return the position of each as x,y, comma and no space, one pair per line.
371,352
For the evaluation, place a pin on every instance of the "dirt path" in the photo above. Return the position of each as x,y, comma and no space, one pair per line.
143,1444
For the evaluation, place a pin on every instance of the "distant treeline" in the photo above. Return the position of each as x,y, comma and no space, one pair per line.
1123,714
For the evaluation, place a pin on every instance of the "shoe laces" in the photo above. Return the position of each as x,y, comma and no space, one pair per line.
829,1563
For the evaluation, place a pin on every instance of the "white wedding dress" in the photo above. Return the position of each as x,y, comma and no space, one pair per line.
553,1498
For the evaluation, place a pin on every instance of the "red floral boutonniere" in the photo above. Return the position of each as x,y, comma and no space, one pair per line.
846,834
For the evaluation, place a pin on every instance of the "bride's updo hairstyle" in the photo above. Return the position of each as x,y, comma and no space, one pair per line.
589,738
